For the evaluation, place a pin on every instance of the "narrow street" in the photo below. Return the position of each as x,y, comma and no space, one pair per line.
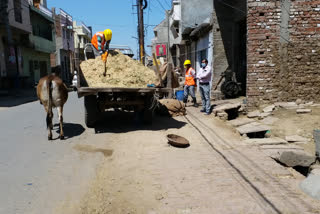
247,69
123,167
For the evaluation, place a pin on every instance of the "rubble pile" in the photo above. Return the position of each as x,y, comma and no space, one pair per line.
122,72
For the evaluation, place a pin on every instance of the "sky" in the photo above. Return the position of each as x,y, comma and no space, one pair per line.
118,15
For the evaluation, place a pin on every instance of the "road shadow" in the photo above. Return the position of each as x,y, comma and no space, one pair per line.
17,99
122,122
70,130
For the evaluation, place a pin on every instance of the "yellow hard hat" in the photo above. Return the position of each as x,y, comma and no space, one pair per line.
107,34
187,62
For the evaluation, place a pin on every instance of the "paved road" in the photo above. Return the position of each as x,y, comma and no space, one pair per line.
35,173
141,174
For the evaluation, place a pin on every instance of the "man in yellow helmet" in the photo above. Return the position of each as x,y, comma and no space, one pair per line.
190,83
101,41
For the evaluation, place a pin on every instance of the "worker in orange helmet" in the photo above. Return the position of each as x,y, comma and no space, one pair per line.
190,83
101,41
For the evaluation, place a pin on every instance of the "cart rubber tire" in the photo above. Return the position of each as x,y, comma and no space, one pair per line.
91,110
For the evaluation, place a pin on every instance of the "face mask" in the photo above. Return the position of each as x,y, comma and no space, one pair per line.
203,65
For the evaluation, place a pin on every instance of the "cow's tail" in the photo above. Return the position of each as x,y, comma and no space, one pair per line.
49,87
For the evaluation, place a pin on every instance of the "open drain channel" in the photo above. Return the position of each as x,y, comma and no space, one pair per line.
246,163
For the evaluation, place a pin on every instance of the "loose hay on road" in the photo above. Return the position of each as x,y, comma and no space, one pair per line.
122,71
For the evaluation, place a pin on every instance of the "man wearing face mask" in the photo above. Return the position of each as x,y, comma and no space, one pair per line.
204,76
190,83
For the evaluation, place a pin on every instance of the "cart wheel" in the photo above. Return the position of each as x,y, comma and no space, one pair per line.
91,110
230,89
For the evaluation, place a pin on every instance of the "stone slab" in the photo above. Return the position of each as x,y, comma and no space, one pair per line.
287,105
303,111
315,105
281,147
264,115
295,158
252,128
266,141
227,106
269,120
311,186
274,150
240,121
296,138
269,109
253,114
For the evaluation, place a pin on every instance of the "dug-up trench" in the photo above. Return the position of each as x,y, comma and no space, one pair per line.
282,122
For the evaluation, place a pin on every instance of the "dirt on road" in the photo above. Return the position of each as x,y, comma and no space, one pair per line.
216,174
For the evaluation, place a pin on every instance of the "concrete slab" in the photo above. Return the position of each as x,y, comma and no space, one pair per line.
253,114
266,141
269,109
310,103
240,121
303,111
274,150
269,120
281,147
302,142
225,107
253,128
296,138
264,115
287,105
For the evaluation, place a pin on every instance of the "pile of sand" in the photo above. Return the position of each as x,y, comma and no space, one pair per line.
171,107
122,71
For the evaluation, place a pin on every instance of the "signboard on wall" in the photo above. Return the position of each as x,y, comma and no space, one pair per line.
161,50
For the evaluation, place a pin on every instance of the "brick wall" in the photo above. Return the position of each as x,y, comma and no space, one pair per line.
283,51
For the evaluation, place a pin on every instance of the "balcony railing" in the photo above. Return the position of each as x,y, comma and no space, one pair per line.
42,45
66,15
45,11
86,28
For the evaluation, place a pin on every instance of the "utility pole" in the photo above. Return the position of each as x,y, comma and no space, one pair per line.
140,8
168,44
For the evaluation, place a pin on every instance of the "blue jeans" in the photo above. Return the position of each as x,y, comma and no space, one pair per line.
189,89
205,97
